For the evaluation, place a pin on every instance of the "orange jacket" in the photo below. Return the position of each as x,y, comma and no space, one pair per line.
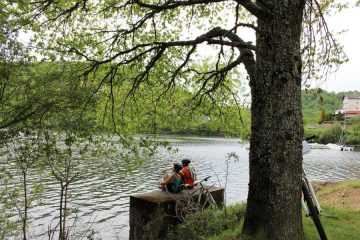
187,176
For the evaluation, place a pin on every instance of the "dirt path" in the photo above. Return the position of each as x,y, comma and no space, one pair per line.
345,194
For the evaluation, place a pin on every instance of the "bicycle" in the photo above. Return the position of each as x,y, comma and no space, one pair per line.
192,203
313,208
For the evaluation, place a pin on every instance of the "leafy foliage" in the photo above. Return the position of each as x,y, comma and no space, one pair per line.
313,101
202,225
330,135
19,193
324,104
321,116
139,53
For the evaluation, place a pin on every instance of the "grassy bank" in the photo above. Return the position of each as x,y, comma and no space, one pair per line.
340,217
339,195
339,224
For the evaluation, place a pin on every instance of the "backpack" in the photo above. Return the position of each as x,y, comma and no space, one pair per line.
192,173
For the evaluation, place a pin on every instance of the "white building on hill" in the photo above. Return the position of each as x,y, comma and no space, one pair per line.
351,104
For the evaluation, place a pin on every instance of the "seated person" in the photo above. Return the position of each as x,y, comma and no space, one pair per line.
188,173
172,182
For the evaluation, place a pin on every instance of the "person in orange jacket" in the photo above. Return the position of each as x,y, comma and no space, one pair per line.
188,173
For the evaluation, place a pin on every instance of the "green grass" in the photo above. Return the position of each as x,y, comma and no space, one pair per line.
338,224
235,234
211,224
347,184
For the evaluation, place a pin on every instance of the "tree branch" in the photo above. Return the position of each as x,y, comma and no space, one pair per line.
174,4
254,9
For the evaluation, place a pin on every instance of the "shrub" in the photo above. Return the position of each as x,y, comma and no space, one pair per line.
321,116
352,138
310,132
208,223
330,135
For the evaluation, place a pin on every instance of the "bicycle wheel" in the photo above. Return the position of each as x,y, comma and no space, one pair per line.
313,212
209,202
185,207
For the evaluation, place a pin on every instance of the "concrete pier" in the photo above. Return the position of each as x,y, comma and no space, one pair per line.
152,213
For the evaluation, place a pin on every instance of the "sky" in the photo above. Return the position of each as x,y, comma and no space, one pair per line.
348,76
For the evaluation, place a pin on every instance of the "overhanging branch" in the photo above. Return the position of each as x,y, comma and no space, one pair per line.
174,4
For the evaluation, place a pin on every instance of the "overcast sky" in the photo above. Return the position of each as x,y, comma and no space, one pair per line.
348,76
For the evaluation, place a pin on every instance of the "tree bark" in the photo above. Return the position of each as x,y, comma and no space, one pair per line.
273,205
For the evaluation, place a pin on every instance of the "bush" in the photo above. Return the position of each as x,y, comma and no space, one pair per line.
321,116
330,135
310,132
352,136
202,225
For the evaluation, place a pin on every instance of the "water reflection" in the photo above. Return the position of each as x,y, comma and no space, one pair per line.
101,198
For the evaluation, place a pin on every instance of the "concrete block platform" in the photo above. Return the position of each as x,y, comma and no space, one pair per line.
152,213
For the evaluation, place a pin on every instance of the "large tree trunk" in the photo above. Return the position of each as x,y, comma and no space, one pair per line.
273,205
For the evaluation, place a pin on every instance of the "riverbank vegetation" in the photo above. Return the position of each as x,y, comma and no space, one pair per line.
340,217
319,107
56,88
340,224
59,86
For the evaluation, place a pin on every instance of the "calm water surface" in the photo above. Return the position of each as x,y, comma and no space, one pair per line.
101,198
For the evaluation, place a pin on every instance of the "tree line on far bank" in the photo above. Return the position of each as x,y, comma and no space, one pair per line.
172,114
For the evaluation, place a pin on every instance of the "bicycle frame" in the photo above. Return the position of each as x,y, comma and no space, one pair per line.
306,149
190,204
312,207
203,192
313,196
206,193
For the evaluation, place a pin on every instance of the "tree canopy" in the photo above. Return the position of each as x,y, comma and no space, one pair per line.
111,37
159,46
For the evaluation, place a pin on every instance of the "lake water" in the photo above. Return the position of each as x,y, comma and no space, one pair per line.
101,197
